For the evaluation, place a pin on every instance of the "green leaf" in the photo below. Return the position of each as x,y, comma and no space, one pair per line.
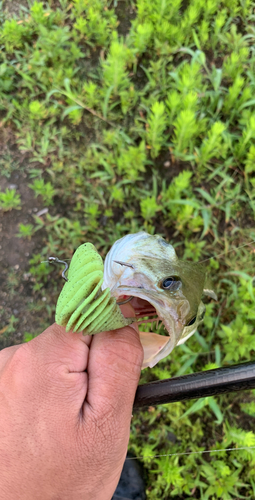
207,196
207,217
201,341
186,365
69,110
106,101
216,410
198,405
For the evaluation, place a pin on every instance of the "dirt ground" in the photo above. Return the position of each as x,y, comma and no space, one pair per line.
16,289
14,7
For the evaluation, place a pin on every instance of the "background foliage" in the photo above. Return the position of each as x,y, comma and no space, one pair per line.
140,116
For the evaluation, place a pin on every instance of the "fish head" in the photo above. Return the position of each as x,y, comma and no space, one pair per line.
163,288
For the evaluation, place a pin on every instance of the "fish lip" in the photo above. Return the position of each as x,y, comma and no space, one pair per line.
155,357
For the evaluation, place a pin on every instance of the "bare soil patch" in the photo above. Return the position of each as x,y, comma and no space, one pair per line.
16,290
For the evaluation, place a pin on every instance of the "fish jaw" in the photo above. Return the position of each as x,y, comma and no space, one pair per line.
155,346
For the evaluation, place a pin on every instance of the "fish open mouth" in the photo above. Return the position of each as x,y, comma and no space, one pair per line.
144,311
146,314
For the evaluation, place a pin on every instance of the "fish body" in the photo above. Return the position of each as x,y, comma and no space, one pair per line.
147,268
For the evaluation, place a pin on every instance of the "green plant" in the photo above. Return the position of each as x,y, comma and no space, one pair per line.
28,336
25,231
222,480
156,125
44,189
12,282
93,21
12,325
115,76
132,161
9,200
149,208
238,335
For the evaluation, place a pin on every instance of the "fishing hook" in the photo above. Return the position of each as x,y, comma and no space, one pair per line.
55,260
128,265
125,301
123,263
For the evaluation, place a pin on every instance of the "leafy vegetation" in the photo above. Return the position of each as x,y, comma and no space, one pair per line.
140,116
9,200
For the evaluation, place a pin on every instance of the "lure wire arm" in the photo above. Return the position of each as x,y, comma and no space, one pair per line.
55,260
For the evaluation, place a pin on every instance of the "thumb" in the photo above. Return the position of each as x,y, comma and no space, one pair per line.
114,367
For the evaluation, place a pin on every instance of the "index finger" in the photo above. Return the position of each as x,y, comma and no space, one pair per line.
114,367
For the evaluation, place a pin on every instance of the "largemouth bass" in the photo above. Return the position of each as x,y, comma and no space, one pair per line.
147,268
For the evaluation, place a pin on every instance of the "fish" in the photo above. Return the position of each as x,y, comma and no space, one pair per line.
145,270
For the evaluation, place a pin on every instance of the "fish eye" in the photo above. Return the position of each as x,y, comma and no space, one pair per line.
192,321
167,283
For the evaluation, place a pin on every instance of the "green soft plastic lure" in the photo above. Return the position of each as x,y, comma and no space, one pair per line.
146,271
82,304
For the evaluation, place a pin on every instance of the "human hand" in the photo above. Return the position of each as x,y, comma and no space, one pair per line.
65,410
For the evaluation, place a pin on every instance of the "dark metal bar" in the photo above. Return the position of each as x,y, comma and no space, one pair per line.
197,385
